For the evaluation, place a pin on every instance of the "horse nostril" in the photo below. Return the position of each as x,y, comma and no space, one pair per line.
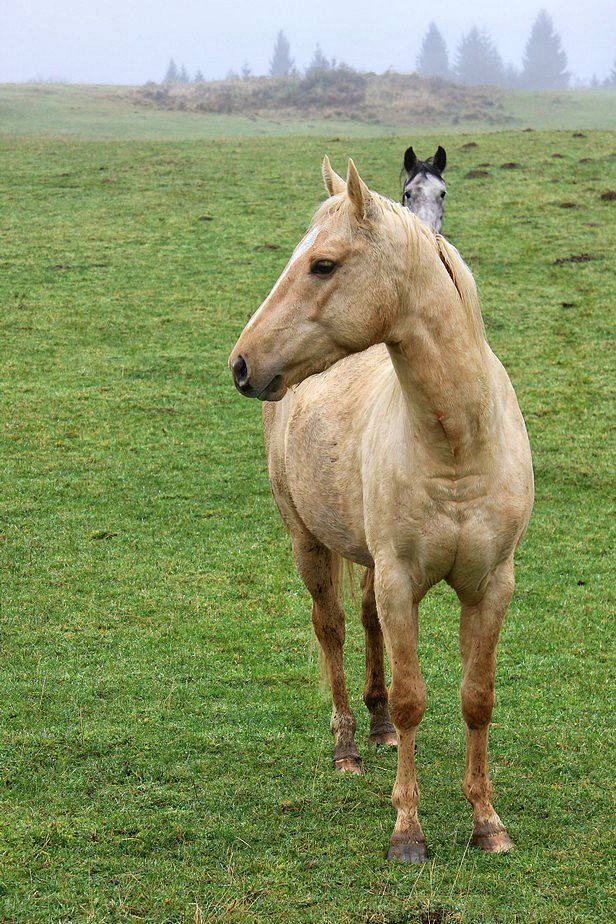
240,371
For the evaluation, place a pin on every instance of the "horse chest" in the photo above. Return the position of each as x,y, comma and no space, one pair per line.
436,521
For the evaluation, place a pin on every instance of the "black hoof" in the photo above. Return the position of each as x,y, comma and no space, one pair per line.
407,851
386,738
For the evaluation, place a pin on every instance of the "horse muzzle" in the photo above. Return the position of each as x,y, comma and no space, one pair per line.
251,387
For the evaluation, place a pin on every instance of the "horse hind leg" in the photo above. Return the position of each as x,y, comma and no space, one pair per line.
315,566
479,630
382,729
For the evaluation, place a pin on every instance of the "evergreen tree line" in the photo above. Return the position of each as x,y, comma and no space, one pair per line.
476,61
281,65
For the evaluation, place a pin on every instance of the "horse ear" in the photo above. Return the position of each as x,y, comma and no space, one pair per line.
410,160
334,184
358,192
440,159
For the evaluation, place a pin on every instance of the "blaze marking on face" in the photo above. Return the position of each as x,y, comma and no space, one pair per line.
305,243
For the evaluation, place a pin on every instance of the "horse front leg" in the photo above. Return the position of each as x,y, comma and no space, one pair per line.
314,563
398,611
382,730
480,627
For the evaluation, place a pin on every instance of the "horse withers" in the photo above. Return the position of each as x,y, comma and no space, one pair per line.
394,440
424,187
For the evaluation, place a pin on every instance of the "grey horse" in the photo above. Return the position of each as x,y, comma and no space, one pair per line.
424,187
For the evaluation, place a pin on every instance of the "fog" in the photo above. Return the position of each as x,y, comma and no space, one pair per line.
130,42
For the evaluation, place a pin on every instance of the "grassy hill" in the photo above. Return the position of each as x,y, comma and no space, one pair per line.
105,112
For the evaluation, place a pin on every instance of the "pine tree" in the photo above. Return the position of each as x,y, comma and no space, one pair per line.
171,75
611,80
319,61
198,78
183,76
477,60
246,72
544,63
433,60
281,64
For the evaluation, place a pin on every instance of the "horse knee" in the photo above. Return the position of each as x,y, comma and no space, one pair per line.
407,703
477,703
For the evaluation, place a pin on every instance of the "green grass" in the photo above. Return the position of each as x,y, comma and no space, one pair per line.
104,113
564,109
166,754
101,113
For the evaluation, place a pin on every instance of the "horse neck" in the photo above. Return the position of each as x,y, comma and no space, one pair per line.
443,364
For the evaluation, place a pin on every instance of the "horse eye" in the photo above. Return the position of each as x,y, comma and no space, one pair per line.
323,267
443,194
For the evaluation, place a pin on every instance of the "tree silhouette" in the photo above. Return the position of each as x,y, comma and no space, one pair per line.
183,75
281,64
433,60
171,74
544,63
198,78
611,80
245,72
477,60
319,61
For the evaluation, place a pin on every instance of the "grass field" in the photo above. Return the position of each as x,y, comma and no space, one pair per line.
165,750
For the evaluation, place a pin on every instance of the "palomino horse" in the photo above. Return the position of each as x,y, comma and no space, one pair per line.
396,442
424,187
423,194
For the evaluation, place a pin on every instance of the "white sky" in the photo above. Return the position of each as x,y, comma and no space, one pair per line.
131,41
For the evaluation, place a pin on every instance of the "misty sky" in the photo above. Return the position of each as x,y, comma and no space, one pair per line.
130,41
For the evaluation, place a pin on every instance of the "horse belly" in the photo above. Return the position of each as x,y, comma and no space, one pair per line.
325,484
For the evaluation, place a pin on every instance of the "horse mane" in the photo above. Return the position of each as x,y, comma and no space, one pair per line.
463,280
417,234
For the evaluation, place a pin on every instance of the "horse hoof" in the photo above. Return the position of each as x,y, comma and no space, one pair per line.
385,738
497,842
349,765
405,851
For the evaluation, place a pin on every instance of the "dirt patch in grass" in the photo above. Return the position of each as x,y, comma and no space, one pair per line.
435,915
575,258
567,205
510,165
608,196
476,174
